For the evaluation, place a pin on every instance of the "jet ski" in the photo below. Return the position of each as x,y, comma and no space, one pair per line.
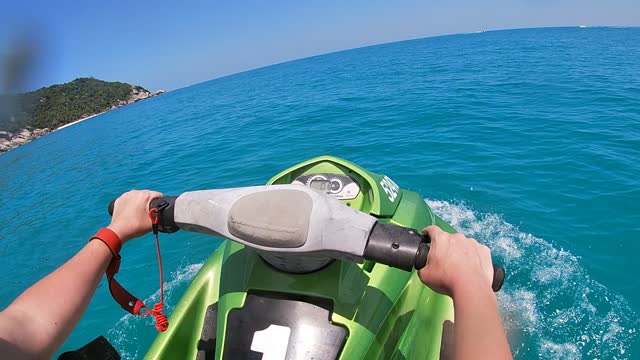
320,263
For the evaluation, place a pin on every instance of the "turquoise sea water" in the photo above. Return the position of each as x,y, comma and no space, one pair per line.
528,140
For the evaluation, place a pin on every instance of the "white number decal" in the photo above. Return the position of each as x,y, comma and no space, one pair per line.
390,188
272,342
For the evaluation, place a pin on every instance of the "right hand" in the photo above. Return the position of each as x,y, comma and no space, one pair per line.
131,214
455,262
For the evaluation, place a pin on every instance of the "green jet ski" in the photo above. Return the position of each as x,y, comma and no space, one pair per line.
319,264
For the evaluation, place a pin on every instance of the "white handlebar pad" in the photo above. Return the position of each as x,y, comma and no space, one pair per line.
278,218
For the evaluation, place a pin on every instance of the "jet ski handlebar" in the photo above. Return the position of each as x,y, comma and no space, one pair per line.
285,223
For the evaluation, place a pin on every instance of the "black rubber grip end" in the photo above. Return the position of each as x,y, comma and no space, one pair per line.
498,278
421,256
112,204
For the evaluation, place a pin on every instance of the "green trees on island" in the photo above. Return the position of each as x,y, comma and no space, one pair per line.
56,105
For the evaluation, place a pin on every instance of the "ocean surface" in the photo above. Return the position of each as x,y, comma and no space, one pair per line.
528,140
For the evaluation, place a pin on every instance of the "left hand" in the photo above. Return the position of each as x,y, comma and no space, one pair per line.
131,214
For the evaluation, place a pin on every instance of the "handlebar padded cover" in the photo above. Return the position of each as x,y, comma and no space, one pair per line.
277,219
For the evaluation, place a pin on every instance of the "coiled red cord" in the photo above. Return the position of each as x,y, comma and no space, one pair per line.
162,324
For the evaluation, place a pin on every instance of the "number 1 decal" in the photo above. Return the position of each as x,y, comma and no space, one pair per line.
390,188
272,342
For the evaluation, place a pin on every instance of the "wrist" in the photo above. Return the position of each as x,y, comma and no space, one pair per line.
118,232
110,239
472,288
101,247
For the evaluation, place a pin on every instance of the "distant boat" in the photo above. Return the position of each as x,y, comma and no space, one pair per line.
582,26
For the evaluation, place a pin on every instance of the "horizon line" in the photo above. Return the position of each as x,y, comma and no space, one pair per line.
583,26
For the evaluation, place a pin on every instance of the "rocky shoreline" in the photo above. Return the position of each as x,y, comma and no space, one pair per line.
10,141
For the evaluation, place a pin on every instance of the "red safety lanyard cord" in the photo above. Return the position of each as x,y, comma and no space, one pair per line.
161,320
126,300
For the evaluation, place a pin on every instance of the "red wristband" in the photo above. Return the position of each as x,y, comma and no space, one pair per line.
109,238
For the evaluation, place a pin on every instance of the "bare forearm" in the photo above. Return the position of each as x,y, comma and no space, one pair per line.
478,329
48,311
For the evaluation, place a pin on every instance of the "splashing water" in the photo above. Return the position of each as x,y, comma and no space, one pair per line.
125,333
548,297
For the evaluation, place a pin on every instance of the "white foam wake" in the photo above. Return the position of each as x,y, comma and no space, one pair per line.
125,334
550,306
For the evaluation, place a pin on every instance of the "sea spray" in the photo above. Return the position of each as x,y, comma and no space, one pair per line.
125,332
550,306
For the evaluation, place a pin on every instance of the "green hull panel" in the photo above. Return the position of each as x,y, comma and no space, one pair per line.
389,313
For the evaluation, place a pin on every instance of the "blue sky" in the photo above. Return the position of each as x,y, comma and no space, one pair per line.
172,44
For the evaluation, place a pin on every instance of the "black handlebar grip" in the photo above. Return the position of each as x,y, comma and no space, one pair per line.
498,277
165,205
393,245
421,256
112,204
498,271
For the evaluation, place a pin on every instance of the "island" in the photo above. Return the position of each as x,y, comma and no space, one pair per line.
28,116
